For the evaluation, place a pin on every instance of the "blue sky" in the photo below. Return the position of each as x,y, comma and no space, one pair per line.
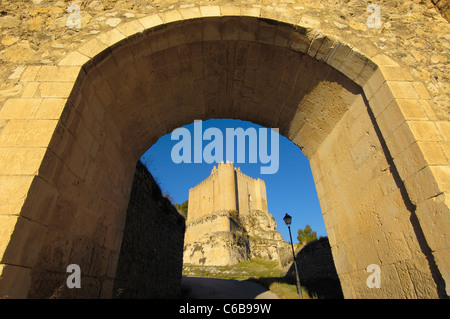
290,190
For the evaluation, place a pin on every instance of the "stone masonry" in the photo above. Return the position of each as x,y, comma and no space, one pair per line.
369,107
151,255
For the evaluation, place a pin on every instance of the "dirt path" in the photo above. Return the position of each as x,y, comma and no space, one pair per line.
212,288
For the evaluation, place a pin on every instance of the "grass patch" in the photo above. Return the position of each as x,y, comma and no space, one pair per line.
265,272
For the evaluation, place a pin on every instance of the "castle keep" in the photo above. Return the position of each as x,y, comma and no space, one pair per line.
228,220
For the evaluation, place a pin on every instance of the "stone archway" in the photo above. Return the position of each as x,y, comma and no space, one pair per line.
360,120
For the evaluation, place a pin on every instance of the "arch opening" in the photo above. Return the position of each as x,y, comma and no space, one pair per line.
258,230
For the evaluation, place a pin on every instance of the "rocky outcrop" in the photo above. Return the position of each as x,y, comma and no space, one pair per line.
264,241
226,243
249,236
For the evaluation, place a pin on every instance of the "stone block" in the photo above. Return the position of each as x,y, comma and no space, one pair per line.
442,176
190,13
50,73
400,139
339,55
107,289
266,33
367,71
50,109
211,30
171,16
40,202
30,89
159,43
79,160
281,37
112,263
20,161
433,153
14,281
373,83
390,119
24,245
410,161
30,73
230,28
395,73
92,48
248,31
7,226
421,90
422,185
130,28
429,109
299,42
111,37
424,131
250,11
55,89
210,11
444,129
326,48
151,21
19,108
74,58
402,90
227,10
384,60
14,189
411,109
434,218
381,99
445,145
353,66
32,133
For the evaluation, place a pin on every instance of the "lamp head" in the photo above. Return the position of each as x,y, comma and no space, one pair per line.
287,219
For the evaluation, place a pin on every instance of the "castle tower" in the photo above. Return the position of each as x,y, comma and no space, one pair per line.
226,188
215,193
222,212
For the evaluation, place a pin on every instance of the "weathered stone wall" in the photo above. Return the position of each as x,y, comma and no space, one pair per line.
316,270
151,256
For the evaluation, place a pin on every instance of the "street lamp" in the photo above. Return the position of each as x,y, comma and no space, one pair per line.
287,220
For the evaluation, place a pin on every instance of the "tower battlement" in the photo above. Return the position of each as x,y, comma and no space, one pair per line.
227,188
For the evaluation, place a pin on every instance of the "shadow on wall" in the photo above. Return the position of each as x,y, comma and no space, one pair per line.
316,270
151,256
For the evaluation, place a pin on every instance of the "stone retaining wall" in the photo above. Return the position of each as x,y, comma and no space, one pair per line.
316,268
151,255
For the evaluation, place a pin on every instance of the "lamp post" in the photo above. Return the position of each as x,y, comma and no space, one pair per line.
287,220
